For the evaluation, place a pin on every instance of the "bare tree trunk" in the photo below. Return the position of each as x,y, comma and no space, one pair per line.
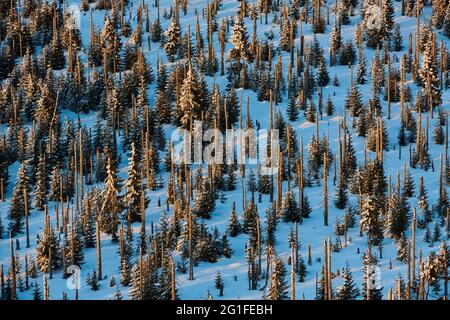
99,251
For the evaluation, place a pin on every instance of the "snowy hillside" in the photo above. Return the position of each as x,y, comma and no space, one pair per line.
379,176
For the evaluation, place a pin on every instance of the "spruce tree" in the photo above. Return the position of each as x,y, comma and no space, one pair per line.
388,15
173,38
133,185
323,77
204,203
371,220
353,101
21,190
191,104
398,216
341,198
231,181
73,244
370,270
329,106
37,294
111,203
278,289
92,281
422,202
310,113
2,228
292,110
301,269
436,233
289,208
349,290
117,294
89,211
438,134
125,260
239,39
234,226
397,40
446,23
429,75
40,195
48,250
402,248
361,71
427,237
219,283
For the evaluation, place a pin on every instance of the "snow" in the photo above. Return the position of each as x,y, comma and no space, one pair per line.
312,231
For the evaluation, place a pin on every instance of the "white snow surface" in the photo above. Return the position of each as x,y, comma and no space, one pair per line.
311,231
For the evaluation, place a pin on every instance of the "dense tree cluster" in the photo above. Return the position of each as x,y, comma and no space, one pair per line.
96,181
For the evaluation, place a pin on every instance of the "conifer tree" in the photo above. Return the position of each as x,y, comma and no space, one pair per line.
446,24
2,228
292,110
133,185
310,113
239,39
21,190
219,283
252,186
408,185
427,237
289,208
329,106
402,249
388,14
341,197
397,40
438,134
398,216
163,107
37,294
48,250
347,54
436,233
373,26
429,75
264,183
89,211
399,290
173,38
231,181
40,195
117,294
125,257
234,226
349,290
73,244
204,203
249,221
371,220
323,77
278,289
335,42
191,104
92,281
353,101
301,269
371,278
361,71
56,54
111,203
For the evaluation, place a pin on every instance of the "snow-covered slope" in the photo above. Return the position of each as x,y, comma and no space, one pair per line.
312,231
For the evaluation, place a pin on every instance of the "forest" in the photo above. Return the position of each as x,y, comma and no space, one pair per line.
224,149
